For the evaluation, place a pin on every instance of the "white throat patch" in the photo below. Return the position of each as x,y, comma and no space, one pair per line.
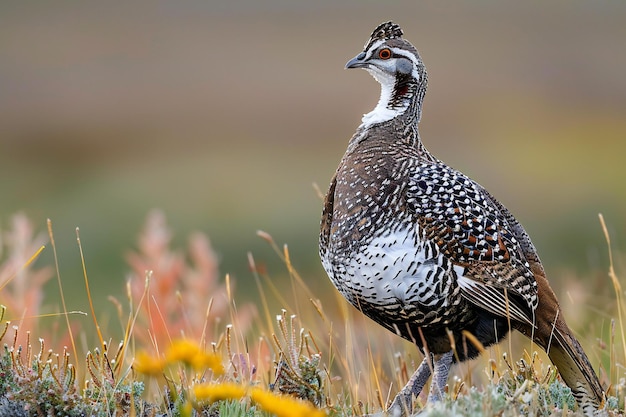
382,112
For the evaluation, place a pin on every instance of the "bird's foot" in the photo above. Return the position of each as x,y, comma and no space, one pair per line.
402,404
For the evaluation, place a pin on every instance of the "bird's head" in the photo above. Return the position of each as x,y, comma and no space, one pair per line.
397,66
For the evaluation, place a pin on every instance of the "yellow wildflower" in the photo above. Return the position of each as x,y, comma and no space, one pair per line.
188,352
148,365
283,406
218,392
182,350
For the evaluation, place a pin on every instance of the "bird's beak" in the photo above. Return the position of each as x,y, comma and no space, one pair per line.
357,62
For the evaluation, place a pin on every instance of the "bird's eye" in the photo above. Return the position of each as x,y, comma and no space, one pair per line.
384,53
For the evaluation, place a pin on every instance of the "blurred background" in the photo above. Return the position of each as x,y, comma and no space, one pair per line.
224,114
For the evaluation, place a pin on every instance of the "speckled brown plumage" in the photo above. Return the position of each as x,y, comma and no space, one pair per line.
424,250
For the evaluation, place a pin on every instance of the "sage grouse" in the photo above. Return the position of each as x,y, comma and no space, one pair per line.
425,251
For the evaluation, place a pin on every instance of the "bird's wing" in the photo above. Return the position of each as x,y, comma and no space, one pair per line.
479,236
495,300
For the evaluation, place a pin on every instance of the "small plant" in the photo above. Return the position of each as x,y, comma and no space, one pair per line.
44,383
297,369
107,391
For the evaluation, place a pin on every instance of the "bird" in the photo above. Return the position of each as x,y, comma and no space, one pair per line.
427,252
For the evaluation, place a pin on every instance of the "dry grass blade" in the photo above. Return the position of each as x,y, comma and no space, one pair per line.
93,313
24,266
616,285
58,274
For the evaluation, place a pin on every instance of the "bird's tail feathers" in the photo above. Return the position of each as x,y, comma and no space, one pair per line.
575,369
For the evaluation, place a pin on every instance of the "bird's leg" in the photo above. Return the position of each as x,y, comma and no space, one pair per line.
440,376
402,404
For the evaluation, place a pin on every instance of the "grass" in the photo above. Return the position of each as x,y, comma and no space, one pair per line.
188,348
